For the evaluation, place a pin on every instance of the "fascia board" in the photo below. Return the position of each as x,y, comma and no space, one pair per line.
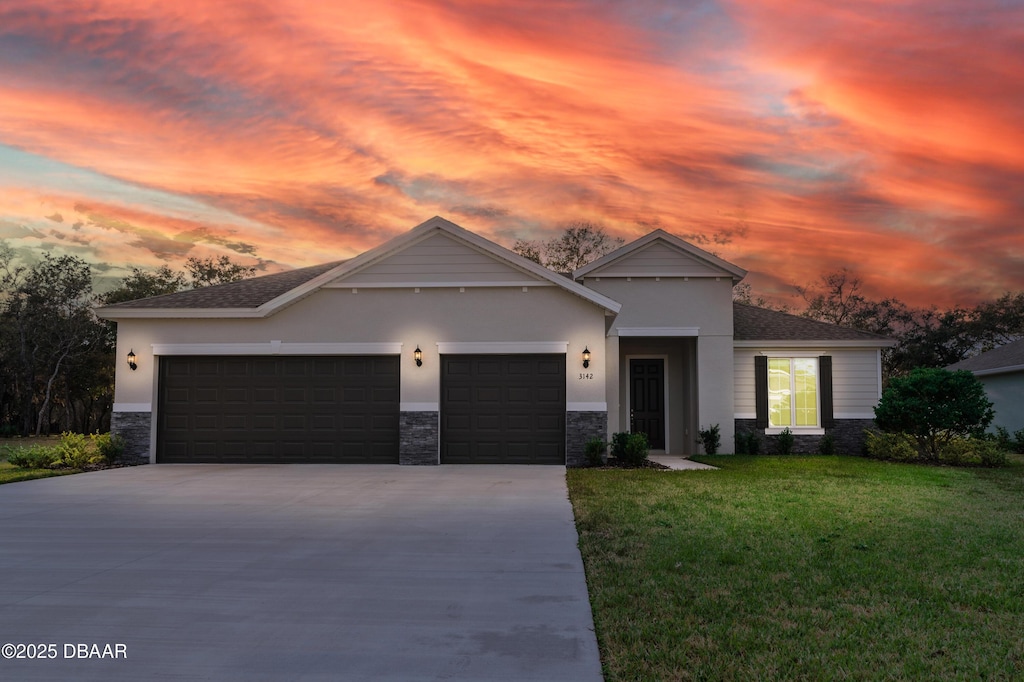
774,345
182,313
997,370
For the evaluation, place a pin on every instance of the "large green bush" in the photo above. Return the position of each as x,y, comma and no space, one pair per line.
934,406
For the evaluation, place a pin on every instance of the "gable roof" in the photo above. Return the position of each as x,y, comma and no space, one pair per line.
753,326
246,293
263,296
710,264
1006,358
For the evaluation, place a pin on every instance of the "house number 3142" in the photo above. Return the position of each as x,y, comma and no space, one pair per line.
586,375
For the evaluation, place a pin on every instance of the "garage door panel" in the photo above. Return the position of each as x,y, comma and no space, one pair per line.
278,409
492,407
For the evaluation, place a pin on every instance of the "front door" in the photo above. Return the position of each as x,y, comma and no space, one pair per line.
647,399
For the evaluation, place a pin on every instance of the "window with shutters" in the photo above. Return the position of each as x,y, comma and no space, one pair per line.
794,393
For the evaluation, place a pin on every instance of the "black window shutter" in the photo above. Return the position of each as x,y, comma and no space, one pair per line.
761,390
828,419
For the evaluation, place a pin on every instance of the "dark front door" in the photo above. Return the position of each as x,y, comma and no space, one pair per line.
647,400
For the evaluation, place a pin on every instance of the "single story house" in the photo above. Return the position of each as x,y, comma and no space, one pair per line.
1001,370
440,346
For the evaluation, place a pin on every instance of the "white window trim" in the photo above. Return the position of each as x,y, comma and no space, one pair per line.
816,430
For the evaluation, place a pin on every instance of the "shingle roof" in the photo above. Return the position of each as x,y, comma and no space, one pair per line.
1007,357
246,293
751,323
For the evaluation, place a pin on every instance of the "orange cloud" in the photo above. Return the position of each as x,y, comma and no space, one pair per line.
881,136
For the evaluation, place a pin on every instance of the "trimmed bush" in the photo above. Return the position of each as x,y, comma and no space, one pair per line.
630,449
972,452
895,447
710,439
110,447
594,450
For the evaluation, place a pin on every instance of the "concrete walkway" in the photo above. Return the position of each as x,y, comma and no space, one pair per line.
295,572
681,463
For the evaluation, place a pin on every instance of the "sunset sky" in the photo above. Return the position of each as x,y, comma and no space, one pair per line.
791,137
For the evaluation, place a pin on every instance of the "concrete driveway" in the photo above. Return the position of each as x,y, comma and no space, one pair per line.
294,572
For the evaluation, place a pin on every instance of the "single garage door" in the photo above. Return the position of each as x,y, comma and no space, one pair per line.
503,409
278,409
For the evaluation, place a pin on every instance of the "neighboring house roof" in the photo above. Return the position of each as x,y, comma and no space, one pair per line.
1006,358
710,264
263,296
753,326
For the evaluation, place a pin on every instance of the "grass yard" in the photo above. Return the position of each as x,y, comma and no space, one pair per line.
805,568
10,473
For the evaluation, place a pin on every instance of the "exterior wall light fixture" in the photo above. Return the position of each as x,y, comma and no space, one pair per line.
132,359
586,357
418,356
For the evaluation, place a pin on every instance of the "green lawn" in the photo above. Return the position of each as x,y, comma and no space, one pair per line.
805,568
10,474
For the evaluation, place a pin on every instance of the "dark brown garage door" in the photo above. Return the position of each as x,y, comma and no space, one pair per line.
278,409
503,409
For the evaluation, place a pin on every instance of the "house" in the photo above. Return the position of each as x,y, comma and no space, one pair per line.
1001,371
440,346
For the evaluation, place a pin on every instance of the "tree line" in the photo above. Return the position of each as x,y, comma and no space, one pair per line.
925,337
57,358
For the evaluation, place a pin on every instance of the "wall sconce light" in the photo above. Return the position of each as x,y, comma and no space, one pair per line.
131,360
586,357
418,355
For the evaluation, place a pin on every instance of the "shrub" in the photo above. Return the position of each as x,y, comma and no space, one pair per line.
34,457
110,447
827,445
1018,442
711,439
74,450
785,441
972,452
934,406
747,443
896,447
630,449
594,450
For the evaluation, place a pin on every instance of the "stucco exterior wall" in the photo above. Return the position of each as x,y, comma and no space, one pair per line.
697,309
510,316
1006,391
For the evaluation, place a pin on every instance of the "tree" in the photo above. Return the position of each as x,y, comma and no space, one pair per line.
744,293
143,284
580,243
209,271
933,406
48,324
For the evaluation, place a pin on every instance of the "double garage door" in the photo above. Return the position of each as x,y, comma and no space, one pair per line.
345,409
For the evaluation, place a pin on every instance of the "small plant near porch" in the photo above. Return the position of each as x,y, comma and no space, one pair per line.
710,439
